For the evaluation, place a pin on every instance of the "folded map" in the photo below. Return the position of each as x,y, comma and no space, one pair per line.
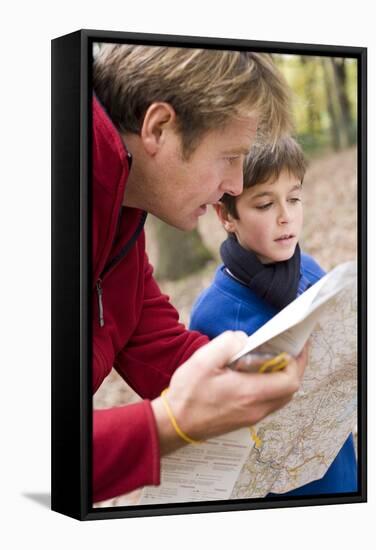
296,444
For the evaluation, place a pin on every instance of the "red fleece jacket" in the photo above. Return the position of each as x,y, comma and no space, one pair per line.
139,334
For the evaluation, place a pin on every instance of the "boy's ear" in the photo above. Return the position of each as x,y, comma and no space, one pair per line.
159,120
224,217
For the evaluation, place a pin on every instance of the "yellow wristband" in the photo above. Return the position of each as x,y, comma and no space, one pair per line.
180,433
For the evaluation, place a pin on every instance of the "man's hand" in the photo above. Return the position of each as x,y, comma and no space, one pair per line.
208,399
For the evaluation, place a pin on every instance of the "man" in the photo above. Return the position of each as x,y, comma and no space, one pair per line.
171,128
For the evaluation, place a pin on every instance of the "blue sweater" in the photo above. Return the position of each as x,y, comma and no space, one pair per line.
230,305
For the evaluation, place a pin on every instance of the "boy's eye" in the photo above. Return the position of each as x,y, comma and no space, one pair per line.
264,206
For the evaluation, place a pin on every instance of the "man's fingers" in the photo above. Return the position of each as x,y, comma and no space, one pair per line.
219,351
270,386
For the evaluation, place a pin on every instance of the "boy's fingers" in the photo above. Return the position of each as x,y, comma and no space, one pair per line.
302,360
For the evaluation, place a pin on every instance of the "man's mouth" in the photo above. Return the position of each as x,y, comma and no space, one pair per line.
203,207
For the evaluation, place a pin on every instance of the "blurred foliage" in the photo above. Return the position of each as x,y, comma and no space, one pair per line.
324,100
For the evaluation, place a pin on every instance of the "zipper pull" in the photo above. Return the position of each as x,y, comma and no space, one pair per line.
100,302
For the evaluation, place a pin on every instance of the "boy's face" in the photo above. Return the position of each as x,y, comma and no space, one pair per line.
270,218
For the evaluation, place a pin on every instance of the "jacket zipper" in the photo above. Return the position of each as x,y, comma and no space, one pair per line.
113,263
100,302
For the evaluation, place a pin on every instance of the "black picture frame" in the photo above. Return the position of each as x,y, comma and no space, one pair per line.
71,311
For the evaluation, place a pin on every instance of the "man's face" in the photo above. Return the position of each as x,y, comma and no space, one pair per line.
182,188
270,218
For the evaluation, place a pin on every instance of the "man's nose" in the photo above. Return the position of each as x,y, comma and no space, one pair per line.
234,184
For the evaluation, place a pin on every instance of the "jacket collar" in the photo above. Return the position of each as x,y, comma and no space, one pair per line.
110,170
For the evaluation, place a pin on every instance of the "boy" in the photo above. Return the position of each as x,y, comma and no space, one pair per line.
264,270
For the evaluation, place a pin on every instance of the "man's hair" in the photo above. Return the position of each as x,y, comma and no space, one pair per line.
206,88
266,162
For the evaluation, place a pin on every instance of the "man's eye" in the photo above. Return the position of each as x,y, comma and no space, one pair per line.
232,160
264,206
294,200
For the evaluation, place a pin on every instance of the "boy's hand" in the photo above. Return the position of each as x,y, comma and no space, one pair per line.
208,399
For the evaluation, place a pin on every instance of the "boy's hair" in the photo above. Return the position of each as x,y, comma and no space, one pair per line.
206,88
267,162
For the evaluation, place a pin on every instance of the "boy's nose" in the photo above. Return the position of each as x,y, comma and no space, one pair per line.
283,215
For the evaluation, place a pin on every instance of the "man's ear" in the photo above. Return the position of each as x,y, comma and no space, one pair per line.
224,217
159,119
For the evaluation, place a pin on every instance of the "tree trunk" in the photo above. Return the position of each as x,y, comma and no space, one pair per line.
179,253
339,72
309,68
334,127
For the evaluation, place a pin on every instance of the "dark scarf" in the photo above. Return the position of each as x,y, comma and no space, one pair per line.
277,283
